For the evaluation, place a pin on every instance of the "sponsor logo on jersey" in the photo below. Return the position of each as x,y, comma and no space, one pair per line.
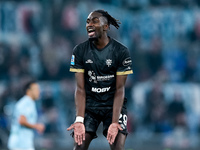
89,61
105,78
73,60
92,76
100,90
127,61
108,62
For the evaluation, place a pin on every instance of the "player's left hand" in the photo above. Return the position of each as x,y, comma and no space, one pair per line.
112,132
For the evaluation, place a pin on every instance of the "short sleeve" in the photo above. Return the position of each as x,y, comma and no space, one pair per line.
124,63
77,60
24,109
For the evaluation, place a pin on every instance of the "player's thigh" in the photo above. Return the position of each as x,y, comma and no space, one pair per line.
91,120
119,142
86,143
122,121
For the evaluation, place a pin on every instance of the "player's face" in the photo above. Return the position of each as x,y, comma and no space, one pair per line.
95,25
35,91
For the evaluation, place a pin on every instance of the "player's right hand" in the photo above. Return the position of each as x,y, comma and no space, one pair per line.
40,128
79,132
112,132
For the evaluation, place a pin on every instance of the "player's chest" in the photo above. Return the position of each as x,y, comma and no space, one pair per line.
101,60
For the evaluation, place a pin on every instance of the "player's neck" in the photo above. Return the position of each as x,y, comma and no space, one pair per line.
29,95
100,43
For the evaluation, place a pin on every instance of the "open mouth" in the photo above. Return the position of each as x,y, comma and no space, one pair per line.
91,32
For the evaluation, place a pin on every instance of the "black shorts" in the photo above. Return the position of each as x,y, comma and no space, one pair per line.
93,117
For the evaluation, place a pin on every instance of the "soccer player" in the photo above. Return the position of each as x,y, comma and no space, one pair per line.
24,120
101,65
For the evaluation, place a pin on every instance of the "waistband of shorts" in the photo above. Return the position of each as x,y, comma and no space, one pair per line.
100,108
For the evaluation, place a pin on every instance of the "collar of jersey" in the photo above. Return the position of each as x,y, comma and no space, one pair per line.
110,41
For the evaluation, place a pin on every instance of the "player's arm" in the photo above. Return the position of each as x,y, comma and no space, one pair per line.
119,97
80,95
117,106
23,121
124,68
78,126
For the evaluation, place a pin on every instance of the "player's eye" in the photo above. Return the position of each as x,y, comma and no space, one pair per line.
96,20
87,21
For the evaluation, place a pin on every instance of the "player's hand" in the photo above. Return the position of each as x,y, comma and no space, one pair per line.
79,132
112,132
40,128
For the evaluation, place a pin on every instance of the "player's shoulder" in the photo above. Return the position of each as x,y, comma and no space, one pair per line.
20,103
82,45
25,100
119,45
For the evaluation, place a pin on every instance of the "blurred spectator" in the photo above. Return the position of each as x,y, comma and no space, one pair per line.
177,111
194,35
154,56
156,110
51,119
159,2
190,71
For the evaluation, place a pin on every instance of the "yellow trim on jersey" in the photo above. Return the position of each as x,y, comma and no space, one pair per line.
125,72
76,70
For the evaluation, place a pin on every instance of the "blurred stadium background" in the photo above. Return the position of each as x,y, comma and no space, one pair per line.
163,36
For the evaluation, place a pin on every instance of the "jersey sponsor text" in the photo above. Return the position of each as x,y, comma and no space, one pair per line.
105,78
100,90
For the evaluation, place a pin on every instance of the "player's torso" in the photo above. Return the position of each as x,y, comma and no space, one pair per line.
100,63
100,71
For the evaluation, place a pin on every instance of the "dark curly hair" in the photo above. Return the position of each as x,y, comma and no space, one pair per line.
111,20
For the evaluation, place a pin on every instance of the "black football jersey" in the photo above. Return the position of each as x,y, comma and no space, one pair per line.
100,68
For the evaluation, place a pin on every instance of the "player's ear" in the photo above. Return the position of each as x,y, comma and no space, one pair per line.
106,27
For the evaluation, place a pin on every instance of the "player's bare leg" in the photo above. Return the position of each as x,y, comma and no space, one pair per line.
86,143
119,142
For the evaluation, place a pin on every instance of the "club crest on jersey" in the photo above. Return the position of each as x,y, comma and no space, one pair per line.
108,62
73,60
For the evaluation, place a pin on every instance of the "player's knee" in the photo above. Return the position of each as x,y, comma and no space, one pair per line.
119,146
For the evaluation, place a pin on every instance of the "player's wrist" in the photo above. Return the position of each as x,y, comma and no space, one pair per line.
79,119
113,123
